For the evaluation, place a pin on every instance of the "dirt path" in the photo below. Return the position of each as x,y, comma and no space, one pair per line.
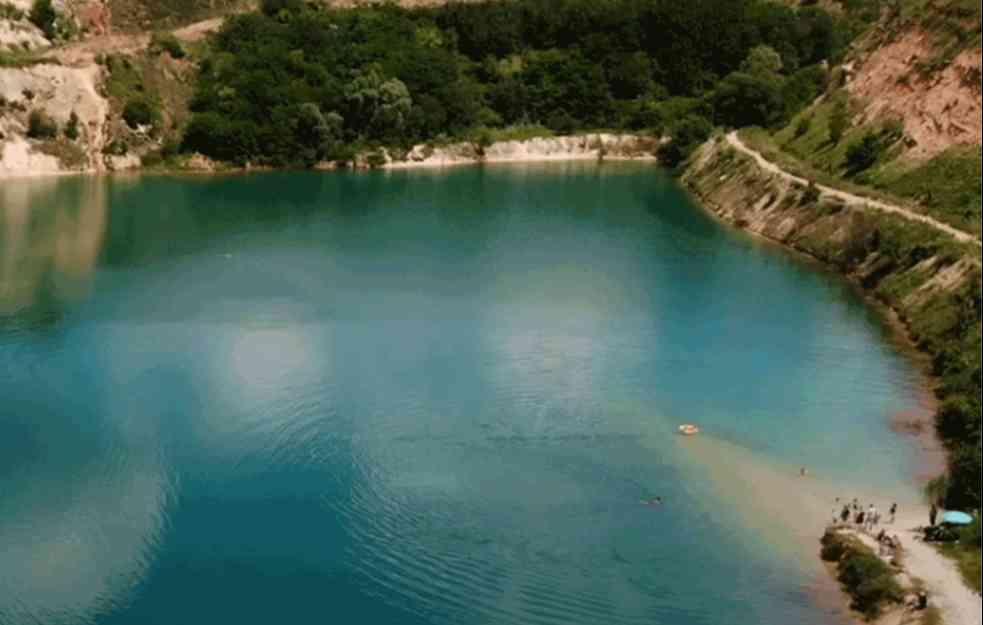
84,52
946,588
849,198
199,30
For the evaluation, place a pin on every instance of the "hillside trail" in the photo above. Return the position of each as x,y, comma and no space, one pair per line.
851,199
82,53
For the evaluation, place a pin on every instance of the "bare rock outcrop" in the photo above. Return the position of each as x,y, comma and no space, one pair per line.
580,147
58,92
939,109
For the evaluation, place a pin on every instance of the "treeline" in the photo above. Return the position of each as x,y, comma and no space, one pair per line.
293,83
951,333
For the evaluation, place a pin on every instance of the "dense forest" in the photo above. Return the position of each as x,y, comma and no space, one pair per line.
293,84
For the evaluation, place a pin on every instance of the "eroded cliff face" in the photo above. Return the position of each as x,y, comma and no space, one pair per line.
36,79
940,107
596,146
58,92
909,266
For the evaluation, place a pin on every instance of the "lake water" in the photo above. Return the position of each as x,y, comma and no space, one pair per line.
416,397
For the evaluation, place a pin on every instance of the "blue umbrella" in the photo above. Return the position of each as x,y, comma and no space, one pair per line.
956,518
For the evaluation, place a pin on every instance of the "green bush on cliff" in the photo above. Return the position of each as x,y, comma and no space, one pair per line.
72,127
141,112
862,154
40,125
167,42
44,16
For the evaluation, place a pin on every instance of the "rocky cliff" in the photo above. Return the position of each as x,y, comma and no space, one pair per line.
596,146
906,69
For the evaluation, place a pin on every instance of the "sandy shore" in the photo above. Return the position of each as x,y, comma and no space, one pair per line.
798,509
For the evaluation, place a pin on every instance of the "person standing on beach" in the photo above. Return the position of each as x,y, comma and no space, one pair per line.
845,513
932,513
894,512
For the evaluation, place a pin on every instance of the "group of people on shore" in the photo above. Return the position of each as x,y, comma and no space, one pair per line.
866,519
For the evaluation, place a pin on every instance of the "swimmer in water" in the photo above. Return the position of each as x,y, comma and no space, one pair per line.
652,502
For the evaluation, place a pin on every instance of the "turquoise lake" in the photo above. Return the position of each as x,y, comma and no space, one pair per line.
418,397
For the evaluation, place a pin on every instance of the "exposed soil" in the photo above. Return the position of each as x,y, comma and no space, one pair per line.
939,109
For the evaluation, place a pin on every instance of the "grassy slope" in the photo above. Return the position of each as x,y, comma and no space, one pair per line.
946,187
969,563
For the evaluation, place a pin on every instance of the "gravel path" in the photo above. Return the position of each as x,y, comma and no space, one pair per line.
849,198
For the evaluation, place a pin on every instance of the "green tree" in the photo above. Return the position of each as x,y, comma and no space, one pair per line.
319,134
963,485
686,135
378,104
141,112
747,100
44,16
801,88
762,62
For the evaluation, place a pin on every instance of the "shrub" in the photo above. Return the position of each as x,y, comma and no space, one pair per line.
167,42
41,126
687,135
72,127
954,419
832,547
140,112
43,15
868,580
862,154
748,100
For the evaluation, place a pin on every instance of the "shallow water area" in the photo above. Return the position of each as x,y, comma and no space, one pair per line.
422,397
